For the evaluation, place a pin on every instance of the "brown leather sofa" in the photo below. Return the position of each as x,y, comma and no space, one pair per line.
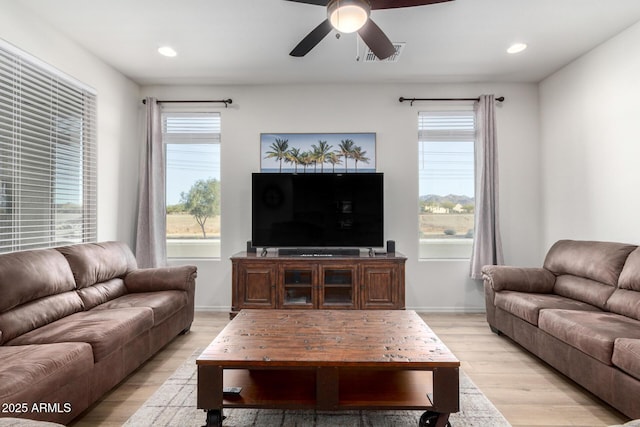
76,320
580,313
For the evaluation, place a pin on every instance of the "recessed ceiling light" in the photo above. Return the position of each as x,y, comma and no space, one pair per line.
167,51
516,48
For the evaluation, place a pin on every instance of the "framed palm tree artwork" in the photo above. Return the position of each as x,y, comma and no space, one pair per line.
318,152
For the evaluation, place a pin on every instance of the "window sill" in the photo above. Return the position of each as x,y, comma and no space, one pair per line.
198,249
444,249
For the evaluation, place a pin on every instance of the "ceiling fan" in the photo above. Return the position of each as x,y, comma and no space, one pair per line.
348,16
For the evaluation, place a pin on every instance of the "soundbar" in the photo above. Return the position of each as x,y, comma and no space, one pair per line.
318,252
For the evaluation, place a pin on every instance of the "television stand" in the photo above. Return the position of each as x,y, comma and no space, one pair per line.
317,281
318,252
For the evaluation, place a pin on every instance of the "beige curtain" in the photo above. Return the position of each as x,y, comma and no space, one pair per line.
487,243
151,248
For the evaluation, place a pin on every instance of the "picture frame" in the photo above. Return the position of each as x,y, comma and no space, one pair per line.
318,152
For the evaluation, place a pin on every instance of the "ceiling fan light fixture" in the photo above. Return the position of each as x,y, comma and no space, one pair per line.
348,16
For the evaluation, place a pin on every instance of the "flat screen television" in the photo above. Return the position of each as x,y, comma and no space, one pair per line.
317,210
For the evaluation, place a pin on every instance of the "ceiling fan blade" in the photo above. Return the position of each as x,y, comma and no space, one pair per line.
312,39
394,4
377,41
316,2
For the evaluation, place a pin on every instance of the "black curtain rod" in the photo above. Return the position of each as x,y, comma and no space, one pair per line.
225,101
402,99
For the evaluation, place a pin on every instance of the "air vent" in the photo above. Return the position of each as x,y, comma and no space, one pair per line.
369,56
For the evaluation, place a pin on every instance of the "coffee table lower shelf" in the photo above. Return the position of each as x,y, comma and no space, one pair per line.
327,388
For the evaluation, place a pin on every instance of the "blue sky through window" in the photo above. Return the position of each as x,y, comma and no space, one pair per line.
187,163
446,168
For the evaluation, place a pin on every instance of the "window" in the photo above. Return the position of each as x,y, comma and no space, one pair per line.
192,143
47,155
446,187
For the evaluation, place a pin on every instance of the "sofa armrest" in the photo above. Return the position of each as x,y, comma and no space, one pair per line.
162,279
507,278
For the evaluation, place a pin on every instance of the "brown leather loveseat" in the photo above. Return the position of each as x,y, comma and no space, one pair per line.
76,320
580,313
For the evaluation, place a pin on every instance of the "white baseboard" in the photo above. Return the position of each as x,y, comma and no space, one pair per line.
212,308
459,310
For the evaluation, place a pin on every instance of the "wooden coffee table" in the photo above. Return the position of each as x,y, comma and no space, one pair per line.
329,360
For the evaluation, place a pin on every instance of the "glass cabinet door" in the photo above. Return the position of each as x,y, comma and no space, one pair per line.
337,288
297,287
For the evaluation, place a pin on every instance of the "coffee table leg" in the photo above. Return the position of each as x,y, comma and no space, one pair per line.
210,393
446,390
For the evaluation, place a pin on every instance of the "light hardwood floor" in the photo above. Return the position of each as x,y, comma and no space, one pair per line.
524,389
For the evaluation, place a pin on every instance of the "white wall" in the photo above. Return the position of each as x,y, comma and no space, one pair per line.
118,101
430,285
590,127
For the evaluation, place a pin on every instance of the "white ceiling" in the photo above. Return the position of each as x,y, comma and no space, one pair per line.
248,41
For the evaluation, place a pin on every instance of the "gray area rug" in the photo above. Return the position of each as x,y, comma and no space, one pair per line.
174,404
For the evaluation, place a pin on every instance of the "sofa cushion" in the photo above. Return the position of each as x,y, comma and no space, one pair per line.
589,332
101,292
626,356
98,262
585,290
35,314
625,302
527,306
630,276
599,261
28,275
180,278
162,303
105,330
48,367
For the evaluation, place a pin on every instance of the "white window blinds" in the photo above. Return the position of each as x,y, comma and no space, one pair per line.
47,156
190,128
446,126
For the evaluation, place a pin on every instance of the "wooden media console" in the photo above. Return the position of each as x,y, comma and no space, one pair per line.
317,282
